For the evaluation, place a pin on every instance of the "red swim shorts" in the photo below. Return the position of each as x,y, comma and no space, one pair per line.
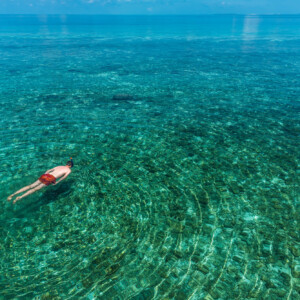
47,179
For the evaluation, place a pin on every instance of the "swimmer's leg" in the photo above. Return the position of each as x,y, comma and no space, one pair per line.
38,187
24,189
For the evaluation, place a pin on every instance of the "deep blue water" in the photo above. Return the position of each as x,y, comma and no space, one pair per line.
185,136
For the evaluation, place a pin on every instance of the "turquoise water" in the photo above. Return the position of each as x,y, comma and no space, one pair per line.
184,188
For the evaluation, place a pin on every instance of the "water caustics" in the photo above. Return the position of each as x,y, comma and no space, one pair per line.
184,133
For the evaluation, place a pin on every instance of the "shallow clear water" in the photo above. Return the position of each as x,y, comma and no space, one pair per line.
188,189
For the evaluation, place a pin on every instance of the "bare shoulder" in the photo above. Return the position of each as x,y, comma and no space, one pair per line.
61,167
67,171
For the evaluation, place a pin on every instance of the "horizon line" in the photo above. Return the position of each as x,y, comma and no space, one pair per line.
206,14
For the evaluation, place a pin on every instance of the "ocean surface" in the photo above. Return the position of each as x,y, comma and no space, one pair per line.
184,132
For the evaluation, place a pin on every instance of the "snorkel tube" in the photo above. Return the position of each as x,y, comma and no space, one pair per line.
72,164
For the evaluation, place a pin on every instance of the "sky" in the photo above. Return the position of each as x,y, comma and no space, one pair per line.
150,7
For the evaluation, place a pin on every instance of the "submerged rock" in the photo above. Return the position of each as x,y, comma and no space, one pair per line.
118,97
181,295
266,249
238,258
296,271
203,268
112,269
208,297
177,253
145,294
295,250
163,272
58,246
87,282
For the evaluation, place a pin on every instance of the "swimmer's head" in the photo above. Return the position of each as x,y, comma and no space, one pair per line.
70,163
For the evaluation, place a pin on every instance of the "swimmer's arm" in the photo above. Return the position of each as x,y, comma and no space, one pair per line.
48,171
62,178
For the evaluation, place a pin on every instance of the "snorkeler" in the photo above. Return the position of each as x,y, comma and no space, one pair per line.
46,179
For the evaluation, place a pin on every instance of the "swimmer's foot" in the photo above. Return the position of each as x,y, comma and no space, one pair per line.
18,198
9,198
